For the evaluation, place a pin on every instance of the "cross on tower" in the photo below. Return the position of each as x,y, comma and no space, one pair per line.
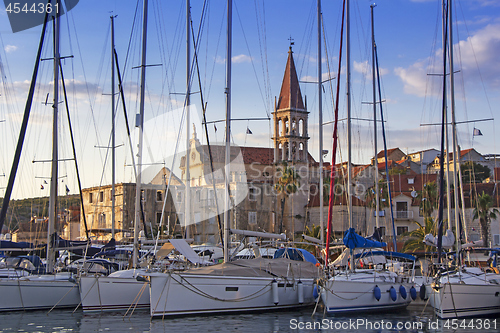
291,40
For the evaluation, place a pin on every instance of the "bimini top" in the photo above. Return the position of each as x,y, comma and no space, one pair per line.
295,254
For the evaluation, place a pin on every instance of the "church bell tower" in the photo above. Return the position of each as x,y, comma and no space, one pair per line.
290,119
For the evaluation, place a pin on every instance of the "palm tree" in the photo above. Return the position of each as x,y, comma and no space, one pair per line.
287,184
428,198
485,213
313,231
416,241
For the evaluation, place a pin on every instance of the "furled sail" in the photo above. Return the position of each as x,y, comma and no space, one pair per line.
448,239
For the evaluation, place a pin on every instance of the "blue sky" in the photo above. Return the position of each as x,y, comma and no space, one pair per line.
408,35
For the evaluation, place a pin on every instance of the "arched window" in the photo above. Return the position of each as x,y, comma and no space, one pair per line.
301,127
280,128
301,151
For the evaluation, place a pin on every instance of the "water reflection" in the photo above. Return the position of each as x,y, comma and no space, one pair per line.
291,321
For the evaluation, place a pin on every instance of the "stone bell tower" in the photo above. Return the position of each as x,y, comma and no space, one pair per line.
290,119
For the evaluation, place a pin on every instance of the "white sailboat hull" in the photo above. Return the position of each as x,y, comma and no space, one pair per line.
110,293
345,295
187,294
38,293
454,299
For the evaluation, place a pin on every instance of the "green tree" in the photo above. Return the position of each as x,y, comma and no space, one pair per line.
288,183
416,241
428,198
473,172
326,188
485,212
313,231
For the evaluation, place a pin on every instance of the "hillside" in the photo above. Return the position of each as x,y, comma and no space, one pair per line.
22,210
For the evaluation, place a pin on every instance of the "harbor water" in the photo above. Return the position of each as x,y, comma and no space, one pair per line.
414,319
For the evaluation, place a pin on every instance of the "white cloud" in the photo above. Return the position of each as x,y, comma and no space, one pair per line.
236,59
10,48
476,58
414,78
366,69
241,58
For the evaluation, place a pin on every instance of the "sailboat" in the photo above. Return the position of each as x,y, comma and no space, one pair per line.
50,290
373,289
232,286
466,291
125,289
121,290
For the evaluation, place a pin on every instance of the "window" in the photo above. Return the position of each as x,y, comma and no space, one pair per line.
252,194
252,218
401,230
402,210
496,239
178,196
102,220
158,218
381,213
159,196
91,197
411,180
101,196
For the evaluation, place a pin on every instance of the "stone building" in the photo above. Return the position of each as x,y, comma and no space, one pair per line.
97,208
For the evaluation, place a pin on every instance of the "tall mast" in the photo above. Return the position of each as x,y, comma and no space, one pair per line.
441,160
445,104
113,156
140,125
320,112
375,161
228,129
348,93
54,172
456,161
187,208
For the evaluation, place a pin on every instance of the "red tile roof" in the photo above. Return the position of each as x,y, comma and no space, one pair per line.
389,152
260,155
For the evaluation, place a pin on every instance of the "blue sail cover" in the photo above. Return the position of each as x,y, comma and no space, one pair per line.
5,244
352,240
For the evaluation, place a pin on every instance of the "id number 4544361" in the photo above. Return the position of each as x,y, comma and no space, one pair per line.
40,8
474,324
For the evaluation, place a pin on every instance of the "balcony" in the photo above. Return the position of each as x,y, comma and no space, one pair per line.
403,214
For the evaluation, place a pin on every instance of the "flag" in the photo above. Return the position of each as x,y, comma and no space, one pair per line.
477,132
67,190
248,131
215,128
41,187
45,182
